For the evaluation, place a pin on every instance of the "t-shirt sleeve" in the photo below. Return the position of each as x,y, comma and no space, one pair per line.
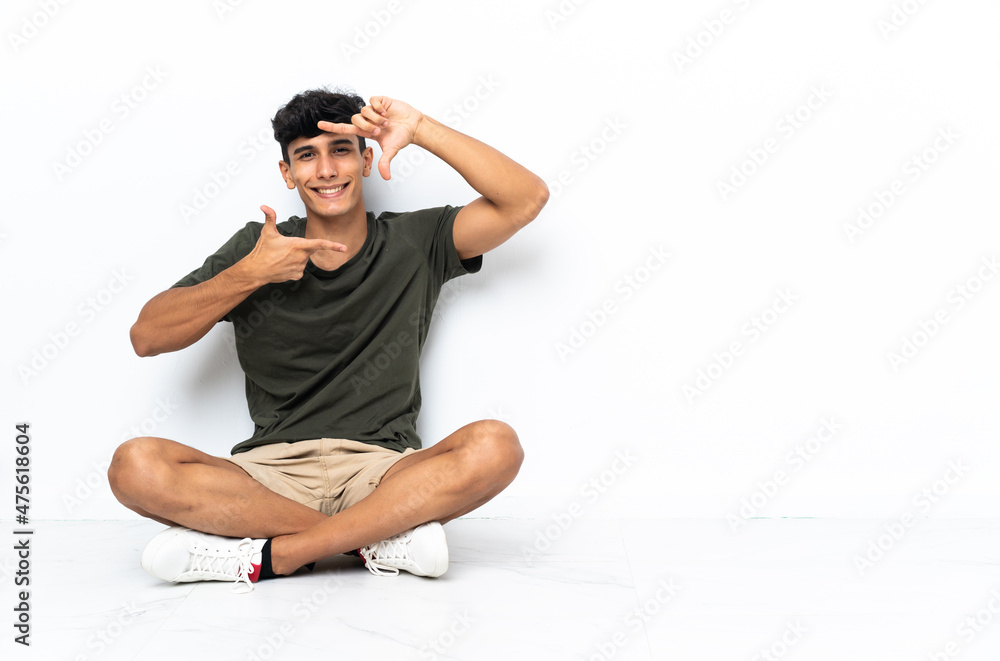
236,248
437,229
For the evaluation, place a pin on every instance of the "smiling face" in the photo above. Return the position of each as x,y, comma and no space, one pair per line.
327,170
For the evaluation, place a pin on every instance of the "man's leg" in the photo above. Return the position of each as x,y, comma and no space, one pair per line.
447,480
179,485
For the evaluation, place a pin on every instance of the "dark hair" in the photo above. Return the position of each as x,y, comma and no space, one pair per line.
298,118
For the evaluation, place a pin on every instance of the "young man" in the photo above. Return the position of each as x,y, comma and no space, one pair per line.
330,313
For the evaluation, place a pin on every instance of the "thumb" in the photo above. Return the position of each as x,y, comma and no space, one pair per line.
270,222
383,162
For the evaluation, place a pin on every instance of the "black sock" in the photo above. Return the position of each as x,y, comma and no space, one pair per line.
266,570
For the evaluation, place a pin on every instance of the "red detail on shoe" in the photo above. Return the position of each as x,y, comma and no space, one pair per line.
255,574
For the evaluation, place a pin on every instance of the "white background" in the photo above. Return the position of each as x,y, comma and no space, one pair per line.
598,398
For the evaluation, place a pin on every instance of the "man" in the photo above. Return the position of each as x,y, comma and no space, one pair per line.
330,313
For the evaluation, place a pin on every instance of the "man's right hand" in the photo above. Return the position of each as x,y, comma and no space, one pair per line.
280,258
180,316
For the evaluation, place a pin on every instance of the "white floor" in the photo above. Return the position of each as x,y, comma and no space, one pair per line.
523,589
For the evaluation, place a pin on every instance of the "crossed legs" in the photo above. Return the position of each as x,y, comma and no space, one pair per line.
179,485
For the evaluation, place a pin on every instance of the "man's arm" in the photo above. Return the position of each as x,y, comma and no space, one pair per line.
511,196
179,317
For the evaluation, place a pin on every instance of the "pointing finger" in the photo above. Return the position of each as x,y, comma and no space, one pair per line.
315,245
331,127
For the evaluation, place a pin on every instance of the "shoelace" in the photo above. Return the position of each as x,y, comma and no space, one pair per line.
236,564
378,555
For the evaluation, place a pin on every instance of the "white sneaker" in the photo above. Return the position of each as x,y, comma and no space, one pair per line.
181,555
422,551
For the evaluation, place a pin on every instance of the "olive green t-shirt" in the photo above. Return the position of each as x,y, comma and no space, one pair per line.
336,354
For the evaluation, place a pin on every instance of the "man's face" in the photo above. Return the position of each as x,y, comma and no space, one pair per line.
327,171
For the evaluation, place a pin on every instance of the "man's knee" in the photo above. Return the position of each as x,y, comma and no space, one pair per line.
134,464
495,446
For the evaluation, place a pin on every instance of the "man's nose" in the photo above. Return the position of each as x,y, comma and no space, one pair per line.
326,168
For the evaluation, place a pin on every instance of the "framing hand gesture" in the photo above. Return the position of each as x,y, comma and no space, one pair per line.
390,123
279,258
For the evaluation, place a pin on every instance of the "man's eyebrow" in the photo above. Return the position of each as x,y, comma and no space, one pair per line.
337,141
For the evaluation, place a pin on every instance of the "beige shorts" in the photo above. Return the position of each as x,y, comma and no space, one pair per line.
327,474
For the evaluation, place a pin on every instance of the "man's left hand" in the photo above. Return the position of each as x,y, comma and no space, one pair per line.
389,122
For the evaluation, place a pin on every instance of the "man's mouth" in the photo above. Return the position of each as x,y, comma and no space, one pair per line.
330,191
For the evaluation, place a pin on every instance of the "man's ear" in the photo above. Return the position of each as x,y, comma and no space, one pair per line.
286,174
367,157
